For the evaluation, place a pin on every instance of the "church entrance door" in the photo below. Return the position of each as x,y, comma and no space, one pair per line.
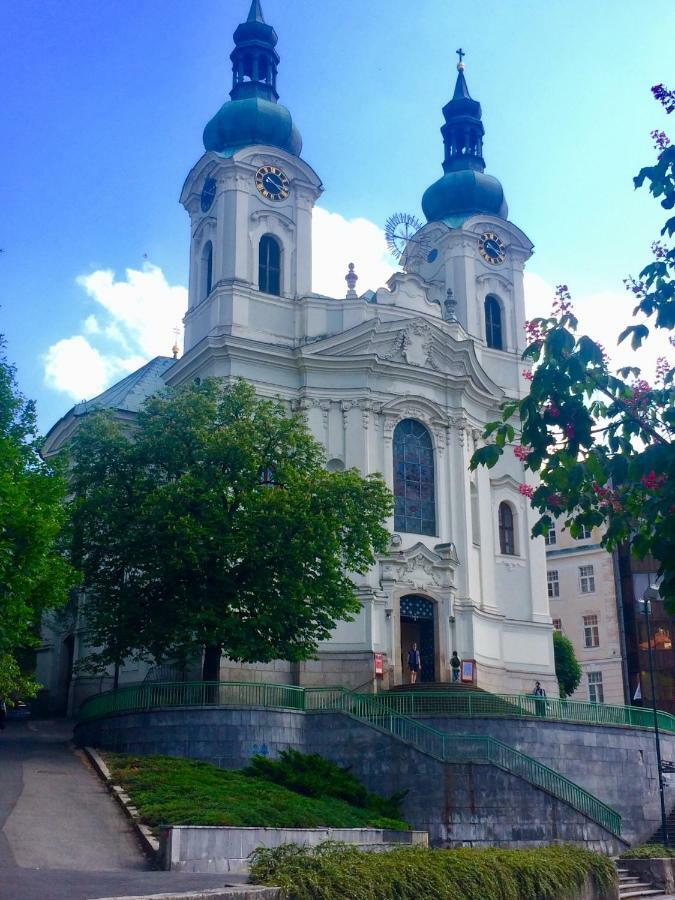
417,627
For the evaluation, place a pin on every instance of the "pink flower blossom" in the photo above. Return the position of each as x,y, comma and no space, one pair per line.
562,303
553,410
526,490
652,481
521,453
570,431
527,374
662,368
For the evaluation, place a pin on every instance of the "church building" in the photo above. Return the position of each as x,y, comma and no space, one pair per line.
399,380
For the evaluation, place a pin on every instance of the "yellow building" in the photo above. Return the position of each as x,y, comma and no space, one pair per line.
583,598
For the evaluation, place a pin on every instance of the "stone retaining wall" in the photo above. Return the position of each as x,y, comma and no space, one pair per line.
191,848
456,804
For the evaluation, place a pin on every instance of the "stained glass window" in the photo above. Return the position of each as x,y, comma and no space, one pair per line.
414,492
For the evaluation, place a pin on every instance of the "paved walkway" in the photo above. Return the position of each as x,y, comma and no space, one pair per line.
62,836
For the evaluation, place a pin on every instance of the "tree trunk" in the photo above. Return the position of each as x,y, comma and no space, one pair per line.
211,667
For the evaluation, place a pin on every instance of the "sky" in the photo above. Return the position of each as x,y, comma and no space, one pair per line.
103,107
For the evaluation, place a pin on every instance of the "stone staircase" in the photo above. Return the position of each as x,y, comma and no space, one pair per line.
631,888
657,837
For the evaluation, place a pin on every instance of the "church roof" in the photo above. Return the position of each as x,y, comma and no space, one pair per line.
131,392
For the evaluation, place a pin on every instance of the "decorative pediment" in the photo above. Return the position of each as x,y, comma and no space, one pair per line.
421,567
412,343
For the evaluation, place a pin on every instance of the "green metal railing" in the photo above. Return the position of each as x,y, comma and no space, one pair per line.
371,709
139,697
483,705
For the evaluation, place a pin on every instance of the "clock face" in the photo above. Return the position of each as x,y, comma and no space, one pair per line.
272,183
492,248
208,194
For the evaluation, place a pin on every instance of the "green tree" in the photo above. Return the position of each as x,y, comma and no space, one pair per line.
34,575
567,668
602,441
216,526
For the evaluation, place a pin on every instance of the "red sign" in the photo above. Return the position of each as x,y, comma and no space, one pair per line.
468,671
379,663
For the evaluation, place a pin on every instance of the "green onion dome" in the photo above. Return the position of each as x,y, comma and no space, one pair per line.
464,189
253,115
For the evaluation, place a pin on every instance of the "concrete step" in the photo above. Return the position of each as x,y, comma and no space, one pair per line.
637,893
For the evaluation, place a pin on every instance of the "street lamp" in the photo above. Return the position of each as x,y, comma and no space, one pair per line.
649,595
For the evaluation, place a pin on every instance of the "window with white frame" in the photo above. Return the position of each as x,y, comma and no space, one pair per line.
551,537
553,583
586,579
557,624
585,533
591,631
595,691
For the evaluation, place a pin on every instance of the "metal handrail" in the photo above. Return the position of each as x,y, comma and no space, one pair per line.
477,705
371,709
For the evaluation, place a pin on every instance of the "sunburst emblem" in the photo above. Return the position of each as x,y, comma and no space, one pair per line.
399,230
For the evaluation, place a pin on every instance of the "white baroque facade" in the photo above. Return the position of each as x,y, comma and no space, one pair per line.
401,381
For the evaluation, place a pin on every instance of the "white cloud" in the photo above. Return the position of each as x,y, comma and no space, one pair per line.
602,316
78,369
134,321
336,242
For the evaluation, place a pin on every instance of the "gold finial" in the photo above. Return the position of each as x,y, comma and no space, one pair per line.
460,64
175,349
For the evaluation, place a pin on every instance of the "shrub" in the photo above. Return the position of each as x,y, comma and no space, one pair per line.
333,870
649,851
314,776
567,668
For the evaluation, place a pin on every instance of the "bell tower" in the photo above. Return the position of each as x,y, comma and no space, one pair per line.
250,200
473,254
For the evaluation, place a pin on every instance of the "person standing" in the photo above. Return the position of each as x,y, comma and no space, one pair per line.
540,698
3,714
414,663
456,665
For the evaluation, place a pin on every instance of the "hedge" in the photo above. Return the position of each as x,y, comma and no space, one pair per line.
333,870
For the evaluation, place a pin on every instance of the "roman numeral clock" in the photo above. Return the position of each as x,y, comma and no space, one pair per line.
272,183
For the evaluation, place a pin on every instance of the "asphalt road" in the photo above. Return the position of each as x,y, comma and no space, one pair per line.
62,836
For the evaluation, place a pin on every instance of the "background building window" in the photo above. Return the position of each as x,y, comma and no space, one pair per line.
553,583
586,579
493,323
269,265
414,493
551,537
557,624
585,533
507,535
595,691
591,631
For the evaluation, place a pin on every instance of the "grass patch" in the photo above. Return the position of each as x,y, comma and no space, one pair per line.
648,851
171,791
336,870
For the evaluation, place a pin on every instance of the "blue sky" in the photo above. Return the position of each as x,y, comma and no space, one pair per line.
104,105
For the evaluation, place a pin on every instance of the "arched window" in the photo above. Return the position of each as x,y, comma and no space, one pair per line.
507,534
415,501
493,323
269,265
207,269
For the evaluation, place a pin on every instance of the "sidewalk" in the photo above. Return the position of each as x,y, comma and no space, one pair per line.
62,836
